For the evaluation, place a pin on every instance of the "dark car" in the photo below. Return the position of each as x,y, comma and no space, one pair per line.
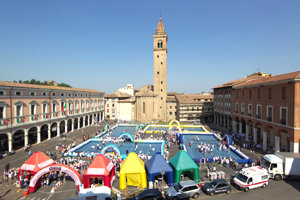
146,194
216,186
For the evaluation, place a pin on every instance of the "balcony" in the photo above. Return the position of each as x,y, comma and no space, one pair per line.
258,116
283,122
242,113
270,119
236,112
250,114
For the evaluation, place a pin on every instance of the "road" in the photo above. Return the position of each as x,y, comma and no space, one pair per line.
276,190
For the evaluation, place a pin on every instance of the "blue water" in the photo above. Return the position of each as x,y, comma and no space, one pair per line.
208,139
130,146
122,129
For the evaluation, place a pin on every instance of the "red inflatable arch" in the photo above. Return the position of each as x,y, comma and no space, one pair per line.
54,167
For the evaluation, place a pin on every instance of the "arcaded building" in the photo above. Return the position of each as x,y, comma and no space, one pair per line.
267,110
32,113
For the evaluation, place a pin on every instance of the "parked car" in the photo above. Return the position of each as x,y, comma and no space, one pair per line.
148,194
216,186
183,189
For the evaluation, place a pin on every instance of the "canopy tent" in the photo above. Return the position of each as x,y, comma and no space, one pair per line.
35,162
101,168
156,165
183,163
133,171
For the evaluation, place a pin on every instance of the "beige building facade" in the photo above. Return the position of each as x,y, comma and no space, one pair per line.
32,113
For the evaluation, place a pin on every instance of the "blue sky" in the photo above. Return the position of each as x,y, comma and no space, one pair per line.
104,45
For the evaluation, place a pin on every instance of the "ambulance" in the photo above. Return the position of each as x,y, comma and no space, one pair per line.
251,177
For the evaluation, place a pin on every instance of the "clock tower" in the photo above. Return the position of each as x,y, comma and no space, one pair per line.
160,39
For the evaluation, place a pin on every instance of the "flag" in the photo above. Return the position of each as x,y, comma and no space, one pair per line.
45,116
33,117
2,122
64,108
19,120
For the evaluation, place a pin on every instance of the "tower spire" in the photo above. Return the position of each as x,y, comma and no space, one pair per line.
160,27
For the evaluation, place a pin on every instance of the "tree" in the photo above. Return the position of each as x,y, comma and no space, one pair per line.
20,81
27,81
32,81
38,82
63,85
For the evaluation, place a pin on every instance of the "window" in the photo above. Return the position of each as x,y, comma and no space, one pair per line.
62,94
158,56
161,98
107,110
18,111
270,93
236,108
159,44
70,106
81,95
258,93
44,94
243,94
113,111
242,108
113,100
1,112
107,105
250,110
170,113
161,82
32,93
69,94
161,63
170,107
269,113
187,108
250,94
113,105
53,94
75,95
54,107
32,109
283,115
198,109
144,105
175,107
157,72
1,93
283,93
265,177
202,108
18,93
258,112
44,107
237,94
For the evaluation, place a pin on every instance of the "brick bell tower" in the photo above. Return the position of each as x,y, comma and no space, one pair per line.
160,39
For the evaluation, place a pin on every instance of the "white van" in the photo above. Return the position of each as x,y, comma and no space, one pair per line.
251,177
99,193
